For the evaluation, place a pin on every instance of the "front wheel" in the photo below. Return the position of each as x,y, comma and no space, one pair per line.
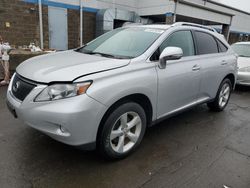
122,131
222,97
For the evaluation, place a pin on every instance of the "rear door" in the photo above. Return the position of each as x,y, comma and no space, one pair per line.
213,59
178,83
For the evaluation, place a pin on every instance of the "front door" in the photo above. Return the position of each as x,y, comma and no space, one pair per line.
179,82
58,28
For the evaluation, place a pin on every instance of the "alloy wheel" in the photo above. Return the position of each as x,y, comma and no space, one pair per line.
224,95
125,132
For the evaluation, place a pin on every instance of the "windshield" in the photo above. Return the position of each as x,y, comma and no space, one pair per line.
243,50
123,42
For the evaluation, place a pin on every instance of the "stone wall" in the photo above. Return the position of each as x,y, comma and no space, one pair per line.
236,37
24,24
73,28
45,27
89,26
169,19
233,38
23,20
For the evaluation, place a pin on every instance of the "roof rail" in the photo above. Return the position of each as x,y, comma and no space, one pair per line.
128,24
194,25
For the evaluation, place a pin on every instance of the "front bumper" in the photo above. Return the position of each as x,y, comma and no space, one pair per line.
73,121
243,78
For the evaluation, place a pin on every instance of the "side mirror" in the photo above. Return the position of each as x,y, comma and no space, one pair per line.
170,53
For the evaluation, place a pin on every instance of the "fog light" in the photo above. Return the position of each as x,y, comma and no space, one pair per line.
63,131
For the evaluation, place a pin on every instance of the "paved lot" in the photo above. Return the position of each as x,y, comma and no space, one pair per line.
195,149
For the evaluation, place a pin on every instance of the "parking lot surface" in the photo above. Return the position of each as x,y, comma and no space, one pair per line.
197,148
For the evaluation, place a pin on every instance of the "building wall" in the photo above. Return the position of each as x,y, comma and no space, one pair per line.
202,14
233,38
45,27
23,18
24,22
241,20
241,23
103,4
89,24
161,7
73,28
155,7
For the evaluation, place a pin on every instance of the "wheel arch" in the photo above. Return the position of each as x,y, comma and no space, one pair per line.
232,78
139,98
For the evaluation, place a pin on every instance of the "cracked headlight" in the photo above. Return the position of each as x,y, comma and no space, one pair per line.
62,91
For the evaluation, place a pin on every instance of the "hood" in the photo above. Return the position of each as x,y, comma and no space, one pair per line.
243,62
66,66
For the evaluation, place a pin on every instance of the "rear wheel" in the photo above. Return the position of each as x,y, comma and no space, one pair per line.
122,131
222,97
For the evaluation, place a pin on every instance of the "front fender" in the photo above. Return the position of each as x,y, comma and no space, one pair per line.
138,78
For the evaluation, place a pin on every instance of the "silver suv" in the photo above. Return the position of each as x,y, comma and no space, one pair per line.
105,94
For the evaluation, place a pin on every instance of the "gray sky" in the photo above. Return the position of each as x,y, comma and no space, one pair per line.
239,4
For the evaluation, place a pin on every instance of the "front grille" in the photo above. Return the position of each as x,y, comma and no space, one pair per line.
21,87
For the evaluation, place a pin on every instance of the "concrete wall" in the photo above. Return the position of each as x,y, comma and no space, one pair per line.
155,7
241,21
103,4
203,14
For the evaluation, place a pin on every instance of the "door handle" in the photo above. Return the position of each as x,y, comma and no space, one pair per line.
196,68
223,62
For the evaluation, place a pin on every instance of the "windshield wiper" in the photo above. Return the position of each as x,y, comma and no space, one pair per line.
102,54
106,55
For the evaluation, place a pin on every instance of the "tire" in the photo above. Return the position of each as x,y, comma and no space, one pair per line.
122,132
223,96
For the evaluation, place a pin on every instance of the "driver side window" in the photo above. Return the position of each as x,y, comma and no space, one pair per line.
181,39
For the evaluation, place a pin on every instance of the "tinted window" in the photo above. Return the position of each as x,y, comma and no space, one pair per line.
221,46
181,39
206,43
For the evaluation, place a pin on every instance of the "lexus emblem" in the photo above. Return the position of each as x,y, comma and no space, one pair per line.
16,86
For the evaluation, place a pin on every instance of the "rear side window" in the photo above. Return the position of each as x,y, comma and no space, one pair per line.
222,47
206,43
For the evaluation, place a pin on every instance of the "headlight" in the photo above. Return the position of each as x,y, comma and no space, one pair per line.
62,91
245,69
